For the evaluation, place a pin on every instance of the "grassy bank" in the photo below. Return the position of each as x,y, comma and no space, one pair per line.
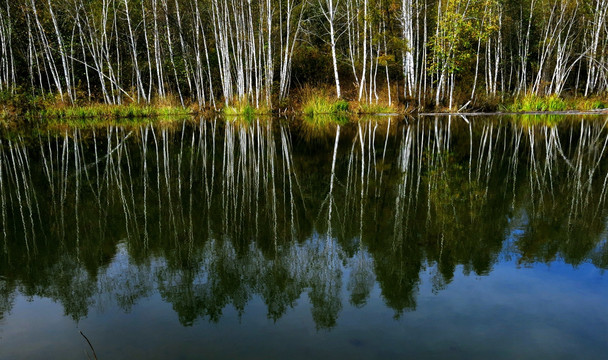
22,107
319,106
127,111
315,102
533,103
322,105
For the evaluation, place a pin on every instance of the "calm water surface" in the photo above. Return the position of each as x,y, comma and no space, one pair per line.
389,238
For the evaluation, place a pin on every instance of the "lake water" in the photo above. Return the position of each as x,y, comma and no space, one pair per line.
429,237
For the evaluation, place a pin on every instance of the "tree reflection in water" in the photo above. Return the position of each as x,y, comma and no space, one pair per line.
212,214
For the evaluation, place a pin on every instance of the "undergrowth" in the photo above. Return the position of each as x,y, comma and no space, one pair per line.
324,105
534,103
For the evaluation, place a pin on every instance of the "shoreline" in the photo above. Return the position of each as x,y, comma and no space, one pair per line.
507,113
100,113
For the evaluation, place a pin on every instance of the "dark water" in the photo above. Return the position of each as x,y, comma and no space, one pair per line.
389,238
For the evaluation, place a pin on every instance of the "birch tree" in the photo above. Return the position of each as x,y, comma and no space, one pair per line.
206,52
7,60
596,35
329,9
407,25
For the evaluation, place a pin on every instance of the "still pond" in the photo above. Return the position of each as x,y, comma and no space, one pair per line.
389,238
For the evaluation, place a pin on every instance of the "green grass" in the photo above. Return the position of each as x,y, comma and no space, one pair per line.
127,111
244,111
533,103
584,104
324,105
21,106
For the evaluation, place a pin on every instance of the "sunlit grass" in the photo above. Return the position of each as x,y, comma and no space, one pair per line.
99,111
585,104
533,103
24,107
324,105
245,109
